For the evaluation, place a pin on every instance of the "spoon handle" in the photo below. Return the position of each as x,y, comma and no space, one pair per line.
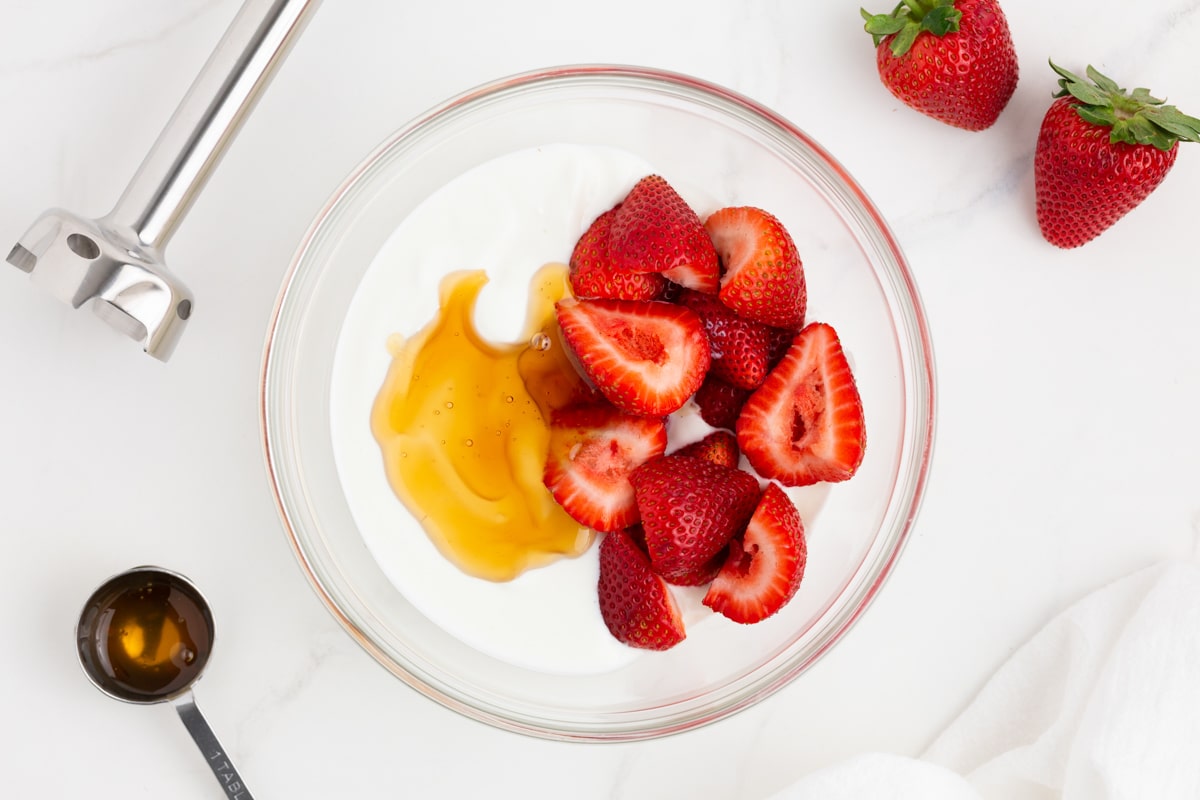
218,761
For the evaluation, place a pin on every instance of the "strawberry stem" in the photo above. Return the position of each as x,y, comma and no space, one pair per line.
910,19
1133,118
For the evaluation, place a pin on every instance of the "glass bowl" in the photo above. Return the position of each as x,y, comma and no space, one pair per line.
713,145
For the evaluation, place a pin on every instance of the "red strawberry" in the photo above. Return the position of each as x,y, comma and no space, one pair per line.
719,447
719,403
645,358
655,230
952,60
592,273
739,347
805,423
762,277
592,451
703,574
690,510
637,605
1100,153
698,577
765,567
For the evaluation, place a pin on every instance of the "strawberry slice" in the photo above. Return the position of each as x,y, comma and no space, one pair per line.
740,348
762,278
719,403
764,568
645,358
655,230
637,605
719,447
592,273
690,509
592,451
805,423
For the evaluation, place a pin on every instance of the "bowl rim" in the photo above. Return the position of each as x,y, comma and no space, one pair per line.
926,380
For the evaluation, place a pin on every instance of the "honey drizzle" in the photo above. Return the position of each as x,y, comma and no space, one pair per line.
462,424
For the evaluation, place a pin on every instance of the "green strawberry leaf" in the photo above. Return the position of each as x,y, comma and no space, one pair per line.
1103,81
1098,115
1136,118
1143,96
942,20
1172,120
1139,130
905,39
1086,93
910,19
1065,77
881,25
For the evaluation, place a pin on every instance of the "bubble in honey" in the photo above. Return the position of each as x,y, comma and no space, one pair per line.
483,504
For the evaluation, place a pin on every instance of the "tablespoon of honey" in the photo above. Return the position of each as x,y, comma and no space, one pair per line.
144,637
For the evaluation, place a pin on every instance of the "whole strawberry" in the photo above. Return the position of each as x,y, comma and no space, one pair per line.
952,60
1100,153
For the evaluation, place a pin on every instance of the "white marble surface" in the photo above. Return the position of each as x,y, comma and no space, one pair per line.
1067,442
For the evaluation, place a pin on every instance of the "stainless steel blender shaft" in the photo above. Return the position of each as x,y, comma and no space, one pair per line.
116,262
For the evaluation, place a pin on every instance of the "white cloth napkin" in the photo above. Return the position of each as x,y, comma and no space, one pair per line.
1102,704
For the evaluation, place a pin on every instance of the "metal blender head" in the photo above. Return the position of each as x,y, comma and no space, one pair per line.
115,264
81,261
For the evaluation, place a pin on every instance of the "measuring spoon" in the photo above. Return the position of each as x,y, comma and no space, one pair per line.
144,637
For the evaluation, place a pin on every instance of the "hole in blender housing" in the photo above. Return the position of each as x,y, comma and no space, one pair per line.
83,246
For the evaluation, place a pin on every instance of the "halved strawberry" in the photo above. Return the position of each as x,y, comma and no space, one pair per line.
719,403
764,568
762,278
805,423
592,451
645,358
655,230
637,605
690,510
718,447
739,347
592,273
